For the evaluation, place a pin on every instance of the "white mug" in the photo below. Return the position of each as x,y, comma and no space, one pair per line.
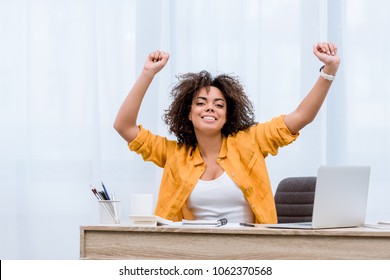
141,204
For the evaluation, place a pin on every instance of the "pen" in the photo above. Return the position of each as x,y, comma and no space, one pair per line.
105,191
247,225
115,209
102,195
94,192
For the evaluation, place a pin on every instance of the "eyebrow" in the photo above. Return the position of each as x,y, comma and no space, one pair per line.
205,98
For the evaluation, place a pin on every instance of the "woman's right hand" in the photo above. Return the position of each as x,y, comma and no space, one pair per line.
126,119
156,61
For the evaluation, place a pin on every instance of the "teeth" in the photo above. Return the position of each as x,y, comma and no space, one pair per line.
209,118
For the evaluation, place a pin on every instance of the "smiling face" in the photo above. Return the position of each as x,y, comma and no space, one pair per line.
208,111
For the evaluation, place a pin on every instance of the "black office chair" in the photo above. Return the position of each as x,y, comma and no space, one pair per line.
294,198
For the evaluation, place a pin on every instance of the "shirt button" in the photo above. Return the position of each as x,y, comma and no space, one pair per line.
233,174
253,206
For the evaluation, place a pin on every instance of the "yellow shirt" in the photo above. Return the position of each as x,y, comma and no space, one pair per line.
242,156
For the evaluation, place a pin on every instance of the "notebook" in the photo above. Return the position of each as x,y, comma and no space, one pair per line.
153,220
340,198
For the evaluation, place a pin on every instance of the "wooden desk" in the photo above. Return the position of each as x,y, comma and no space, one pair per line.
124,242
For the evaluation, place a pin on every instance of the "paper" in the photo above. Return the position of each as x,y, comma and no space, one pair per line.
215,223
379,225
153,220
149,220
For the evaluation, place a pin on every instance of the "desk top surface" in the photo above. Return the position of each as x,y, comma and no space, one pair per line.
258,230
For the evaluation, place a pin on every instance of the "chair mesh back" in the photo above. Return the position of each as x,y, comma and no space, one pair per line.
294,198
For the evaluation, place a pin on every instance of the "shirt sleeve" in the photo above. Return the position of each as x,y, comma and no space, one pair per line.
274,134
152,147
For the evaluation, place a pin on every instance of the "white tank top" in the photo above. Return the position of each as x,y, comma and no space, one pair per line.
219,198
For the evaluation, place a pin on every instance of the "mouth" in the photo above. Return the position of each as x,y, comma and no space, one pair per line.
209,118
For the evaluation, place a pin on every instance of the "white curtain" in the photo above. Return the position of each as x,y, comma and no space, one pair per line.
66,66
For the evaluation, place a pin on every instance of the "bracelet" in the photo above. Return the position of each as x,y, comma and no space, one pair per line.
326,76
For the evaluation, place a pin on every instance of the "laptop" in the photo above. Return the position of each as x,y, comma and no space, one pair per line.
340,198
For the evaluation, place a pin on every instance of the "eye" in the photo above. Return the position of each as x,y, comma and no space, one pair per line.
199,103
219,105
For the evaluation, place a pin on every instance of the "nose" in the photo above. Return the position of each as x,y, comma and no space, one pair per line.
209,108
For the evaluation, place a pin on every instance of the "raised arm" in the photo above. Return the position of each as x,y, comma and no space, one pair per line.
311,104
126,120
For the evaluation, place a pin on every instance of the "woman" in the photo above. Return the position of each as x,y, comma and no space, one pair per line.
216,168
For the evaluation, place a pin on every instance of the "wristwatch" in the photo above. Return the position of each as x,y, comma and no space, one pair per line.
326,76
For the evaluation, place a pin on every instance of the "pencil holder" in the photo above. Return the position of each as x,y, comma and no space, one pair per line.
109,211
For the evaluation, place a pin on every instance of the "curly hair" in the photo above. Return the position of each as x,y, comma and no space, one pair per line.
240,115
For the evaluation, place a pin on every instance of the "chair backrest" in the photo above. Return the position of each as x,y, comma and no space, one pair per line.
294,198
